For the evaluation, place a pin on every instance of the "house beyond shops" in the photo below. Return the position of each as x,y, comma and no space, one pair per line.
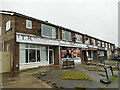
34,42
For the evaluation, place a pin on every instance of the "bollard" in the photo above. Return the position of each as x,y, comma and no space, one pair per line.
106,73
111,70
118,65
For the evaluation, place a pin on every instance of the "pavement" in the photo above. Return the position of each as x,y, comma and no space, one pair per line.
24,79
29,78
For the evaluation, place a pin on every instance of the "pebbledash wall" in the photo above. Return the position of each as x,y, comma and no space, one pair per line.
36,43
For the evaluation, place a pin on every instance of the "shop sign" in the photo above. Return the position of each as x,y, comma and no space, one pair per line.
100,48
69,44
27,38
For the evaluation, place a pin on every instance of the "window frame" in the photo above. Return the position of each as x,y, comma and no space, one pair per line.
53,31
64,37
78,36
28,22
7,25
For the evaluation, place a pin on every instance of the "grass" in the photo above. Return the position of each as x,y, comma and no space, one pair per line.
73,76
111,78
94,69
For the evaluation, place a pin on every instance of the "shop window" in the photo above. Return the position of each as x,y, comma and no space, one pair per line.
48,31
29,24
26,56
79,38
7,25
66,35
38,56
32,55
70,53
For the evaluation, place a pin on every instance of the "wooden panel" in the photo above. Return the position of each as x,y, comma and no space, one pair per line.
5,62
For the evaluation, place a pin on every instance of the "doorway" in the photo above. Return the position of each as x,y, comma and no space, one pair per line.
51,57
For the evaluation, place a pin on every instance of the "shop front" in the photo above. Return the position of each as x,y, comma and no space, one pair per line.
89,54
35,51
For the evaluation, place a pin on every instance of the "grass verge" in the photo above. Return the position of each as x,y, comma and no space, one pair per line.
74,76
94,69
111,78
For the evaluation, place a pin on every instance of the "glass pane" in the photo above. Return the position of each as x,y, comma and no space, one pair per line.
26,55
47,30
32,46
23,46
38,55
32,55
44,54
22,56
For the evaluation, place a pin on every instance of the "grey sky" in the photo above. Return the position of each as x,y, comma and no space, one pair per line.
98,18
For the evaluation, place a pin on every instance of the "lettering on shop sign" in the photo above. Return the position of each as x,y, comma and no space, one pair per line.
24,37
27,38
34,39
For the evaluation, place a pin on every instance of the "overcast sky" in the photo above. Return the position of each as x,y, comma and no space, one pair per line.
98,18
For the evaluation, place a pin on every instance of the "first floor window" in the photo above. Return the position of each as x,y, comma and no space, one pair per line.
7,25
48,31
29,24
79,38
66,35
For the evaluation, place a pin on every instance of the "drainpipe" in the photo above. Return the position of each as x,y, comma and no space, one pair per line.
59,55
3,46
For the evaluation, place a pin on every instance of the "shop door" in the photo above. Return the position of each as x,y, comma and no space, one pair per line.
51,59
84,56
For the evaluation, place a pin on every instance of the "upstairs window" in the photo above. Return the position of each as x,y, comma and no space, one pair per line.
103,44
29,24
87,40
106,45
7,25
99,43
66,35
48,31
92,41
79,38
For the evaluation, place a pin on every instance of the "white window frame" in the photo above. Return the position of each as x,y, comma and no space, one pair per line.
87,41
99,43
53,32
103,44
63,35
93,40
27,24
7,25
78,36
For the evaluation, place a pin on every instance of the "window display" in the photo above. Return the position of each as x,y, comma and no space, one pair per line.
70,53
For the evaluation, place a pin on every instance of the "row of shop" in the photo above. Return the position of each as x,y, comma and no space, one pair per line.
35,51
